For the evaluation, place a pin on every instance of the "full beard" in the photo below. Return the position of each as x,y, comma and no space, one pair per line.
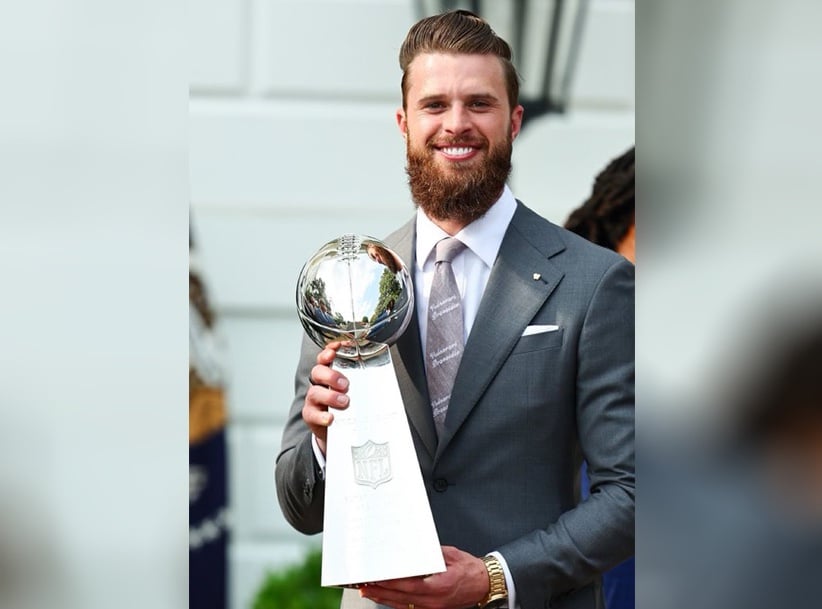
462,194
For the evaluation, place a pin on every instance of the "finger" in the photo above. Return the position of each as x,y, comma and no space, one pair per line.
320,399
401,589
327,355
385,597
396,600
406,584
318,423
317,418
316,413
393,604
400,604
323,375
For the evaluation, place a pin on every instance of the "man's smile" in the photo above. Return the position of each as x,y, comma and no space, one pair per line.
462,151
458,153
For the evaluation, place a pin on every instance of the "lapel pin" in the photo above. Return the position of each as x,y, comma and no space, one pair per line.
536,276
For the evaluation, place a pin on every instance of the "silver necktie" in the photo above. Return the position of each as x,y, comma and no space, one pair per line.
443,350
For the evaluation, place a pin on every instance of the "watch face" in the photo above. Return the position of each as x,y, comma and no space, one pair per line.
500,603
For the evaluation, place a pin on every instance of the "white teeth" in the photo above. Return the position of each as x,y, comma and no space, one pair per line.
456,151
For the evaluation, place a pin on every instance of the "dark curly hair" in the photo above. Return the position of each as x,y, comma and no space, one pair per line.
608,214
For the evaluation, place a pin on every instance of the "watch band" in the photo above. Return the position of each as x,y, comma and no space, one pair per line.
498,589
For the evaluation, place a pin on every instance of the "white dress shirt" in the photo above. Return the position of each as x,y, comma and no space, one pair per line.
472,266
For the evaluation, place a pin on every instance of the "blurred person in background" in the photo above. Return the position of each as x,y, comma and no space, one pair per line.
734,519
547,373
729,144
207,416
607,218
780,412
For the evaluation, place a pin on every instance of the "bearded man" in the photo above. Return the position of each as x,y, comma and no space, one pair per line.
543,375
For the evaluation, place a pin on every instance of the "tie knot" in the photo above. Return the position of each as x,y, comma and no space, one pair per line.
448,248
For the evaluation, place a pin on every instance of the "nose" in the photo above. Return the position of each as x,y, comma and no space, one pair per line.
456,120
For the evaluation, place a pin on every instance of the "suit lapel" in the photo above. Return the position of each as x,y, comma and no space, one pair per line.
407,354
520,282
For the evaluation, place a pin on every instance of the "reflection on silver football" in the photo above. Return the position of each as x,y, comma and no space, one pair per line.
355,290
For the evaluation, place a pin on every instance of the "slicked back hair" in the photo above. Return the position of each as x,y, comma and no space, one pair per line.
458,32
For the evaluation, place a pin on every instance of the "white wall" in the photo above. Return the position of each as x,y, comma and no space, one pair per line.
293,142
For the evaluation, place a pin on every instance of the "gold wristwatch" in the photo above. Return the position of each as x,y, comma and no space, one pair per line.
498,591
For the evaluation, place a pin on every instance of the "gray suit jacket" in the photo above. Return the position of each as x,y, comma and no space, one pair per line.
524,411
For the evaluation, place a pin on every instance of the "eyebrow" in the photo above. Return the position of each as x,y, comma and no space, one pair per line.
471,97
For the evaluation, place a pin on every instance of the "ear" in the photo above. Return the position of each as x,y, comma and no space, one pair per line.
402,123
516,122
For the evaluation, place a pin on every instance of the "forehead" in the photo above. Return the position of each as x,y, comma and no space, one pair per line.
441,73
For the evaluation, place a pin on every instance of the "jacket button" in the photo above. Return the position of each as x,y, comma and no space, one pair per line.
440,485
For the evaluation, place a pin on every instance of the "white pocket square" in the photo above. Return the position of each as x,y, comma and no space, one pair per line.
539,330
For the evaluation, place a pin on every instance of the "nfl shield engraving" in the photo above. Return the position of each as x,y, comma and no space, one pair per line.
377,523
372,464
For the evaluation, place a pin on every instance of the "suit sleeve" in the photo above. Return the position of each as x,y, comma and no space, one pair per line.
300,487
598,533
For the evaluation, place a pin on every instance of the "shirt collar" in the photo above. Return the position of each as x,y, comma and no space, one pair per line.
483,236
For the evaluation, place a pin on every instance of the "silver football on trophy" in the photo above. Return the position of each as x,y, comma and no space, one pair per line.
357,291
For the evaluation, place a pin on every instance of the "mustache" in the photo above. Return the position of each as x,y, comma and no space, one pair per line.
441,142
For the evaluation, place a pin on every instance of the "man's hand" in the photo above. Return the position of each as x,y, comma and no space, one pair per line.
327,391
463,584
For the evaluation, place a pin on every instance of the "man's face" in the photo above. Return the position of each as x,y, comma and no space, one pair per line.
459,128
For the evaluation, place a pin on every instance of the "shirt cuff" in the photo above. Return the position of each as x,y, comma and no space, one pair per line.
320,457
509,581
